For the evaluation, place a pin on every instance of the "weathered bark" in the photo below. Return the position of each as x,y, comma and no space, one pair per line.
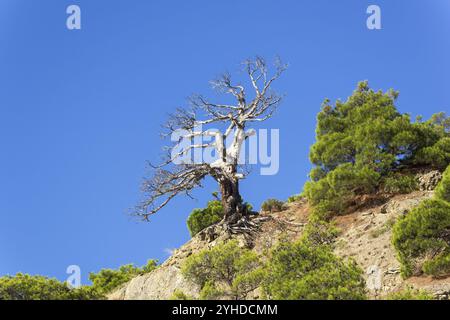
231,201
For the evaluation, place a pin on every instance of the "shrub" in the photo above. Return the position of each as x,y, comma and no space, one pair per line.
436,152
360,141
27,287
107,280
443,189
298,271
294,198
200,219
273,205
410,294
180,295
438,266
319,233
423,235
224,271
399,183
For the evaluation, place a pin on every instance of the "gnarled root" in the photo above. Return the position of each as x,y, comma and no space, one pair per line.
246,225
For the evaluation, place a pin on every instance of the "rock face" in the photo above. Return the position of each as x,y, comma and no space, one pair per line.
161,283
157,285
429,180
365,238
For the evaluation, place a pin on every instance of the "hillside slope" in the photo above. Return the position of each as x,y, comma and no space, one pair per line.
365,237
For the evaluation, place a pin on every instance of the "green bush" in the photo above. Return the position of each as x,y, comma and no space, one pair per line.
299,271
443,189
318,232
273,205
200,219
387,226
436,152
423,234
360,141
107,280
410,294
27,287
294,198
180,295
398,183
225,271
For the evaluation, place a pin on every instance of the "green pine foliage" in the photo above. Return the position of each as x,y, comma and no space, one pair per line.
294,198
106,280
400,183
28,287
306,269
422,237
225,271
273,205
359,143
200,219
300,271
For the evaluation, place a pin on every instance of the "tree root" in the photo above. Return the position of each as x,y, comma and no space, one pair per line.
246,225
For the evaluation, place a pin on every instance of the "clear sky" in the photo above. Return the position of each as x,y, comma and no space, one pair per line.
80,111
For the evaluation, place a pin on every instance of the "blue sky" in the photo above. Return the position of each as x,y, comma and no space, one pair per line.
80,111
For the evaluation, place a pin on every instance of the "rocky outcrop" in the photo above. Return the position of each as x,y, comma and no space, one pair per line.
366,238
163,281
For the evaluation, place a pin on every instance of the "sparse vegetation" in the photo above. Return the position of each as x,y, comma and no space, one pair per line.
400,183
200,219
422,238
273,205
295,198
319,233
225,271
180,295
387,226
410,294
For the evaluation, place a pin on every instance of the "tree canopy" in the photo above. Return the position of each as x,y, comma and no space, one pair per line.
362,142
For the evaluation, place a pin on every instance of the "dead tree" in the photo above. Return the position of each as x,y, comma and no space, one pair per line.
173,177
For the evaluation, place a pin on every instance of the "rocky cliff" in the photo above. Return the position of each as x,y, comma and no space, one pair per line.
365,236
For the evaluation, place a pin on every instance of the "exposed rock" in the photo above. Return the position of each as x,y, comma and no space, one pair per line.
359,240
157,285
376,255
428,181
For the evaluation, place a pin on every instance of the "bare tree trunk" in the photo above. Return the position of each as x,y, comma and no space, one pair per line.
231,201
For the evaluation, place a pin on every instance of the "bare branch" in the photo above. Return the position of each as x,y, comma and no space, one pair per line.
171,178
